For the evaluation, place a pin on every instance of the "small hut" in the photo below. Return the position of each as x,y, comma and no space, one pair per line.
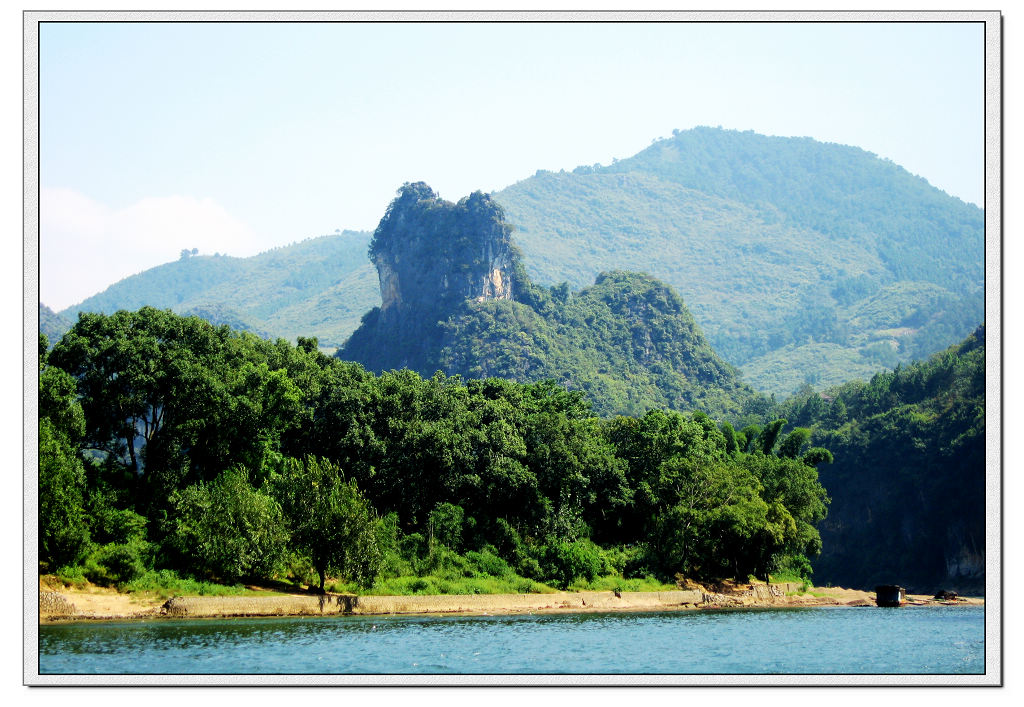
890,595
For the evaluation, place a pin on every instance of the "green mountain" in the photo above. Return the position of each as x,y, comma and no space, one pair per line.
321,287
908,480
803,262
456,298
51,324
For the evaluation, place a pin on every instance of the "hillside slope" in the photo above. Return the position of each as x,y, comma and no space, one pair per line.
803,262
456,299
908,480
781,247
319,287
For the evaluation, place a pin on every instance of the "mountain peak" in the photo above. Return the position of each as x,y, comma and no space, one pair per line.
430,253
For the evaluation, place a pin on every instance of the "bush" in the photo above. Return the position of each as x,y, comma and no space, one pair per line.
445,525
792,568
446,563
529,567
112,525
638,561
118,563
487,563
63,534
507,541
72,575
167,583
565,562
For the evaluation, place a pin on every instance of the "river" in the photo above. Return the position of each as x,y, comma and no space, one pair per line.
833,641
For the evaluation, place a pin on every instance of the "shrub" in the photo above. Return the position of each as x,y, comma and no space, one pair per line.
447,563
412,546
445,525
112,525
792,568
564,562
63,534
72,575
487,563
118,563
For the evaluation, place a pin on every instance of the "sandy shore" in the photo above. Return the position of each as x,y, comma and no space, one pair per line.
58,604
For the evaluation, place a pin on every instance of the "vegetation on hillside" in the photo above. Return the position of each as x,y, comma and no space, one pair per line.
801,261
774,243
628,342
169,445
322,284
51,324
908,482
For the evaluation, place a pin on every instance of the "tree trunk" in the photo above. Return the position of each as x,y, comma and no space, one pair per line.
323,576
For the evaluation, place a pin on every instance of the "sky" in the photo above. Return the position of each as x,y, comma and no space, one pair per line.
234,138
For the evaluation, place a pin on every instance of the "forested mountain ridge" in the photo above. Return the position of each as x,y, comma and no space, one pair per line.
908,480
801,261
456,299
321,285
51,324
780,246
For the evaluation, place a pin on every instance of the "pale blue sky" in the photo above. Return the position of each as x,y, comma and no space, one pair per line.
239,137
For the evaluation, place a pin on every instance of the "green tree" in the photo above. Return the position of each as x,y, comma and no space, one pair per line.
63,529
794,442
770,435
63,533
330,520
229,529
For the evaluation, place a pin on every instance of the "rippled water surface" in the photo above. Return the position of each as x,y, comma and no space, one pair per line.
835,640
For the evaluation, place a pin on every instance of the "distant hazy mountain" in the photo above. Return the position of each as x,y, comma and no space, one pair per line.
801,261
319,287
51,324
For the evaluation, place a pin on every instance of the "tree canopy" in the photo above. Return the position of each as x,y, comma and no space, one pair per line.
191,447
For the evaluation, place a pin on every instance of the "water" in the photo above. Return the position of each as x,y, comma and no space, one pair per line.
835,640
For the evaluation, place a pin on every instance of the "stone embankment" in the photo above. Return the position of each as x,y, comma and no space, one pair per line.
108,605
197,607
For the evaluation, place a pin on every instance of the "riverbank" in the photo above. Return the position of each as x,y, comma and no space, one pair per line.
102,604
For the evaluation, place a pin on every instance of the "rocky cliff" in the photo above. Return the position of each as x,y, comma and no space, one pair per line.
431,252
455,298
431,256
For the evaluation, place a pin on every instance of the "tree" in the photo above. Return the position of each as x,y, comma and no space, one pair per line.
794,442
137,374
228,528
770,435
63,533
330,520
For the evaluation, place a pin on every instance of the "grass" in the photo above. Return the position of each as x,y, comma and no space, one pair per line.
783,577
157,583
446,584
615,583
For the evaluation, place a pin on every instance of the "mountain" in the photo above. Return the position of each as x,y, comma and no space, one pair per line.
319,287
802,261
908,479
51,324
456,298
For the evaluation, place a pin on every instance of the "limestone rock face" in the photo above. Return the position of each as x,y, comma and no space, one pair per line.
431,253
432,256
